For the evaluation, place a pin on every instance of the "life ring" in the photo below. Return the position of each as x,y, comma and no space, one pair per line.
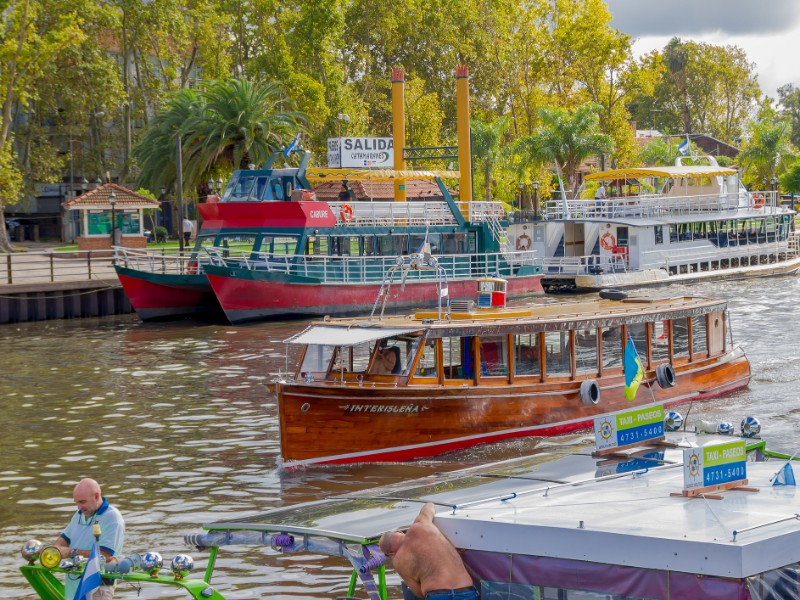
590,392
608,241
192,267
346,212
523,242
665,375
758,200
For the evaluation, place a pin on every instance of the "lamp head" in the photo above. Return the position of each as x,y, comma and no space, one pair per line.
112,199
31,550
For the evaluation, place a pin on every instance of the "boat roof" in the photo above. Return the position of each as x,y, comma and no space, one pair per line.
636,520
549,316
560,501
672,172
738,214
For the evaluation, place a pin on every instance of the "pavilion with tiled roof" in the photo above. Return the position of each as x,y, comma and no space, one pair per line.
96,217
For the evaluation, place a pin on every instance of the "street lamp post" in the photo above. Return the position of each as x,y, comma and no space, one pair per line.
774,187
112,200
535,200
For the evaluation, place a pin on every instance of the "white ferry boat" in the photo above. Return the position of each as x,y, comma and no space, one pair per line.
660,225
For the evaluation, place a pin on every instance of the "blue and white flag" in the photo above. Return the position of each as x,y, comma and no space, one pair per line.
91,579
288,150
684,147
634,373
785,476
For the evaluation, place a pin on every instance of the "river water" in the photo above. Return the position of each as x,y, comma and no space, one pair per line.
175,422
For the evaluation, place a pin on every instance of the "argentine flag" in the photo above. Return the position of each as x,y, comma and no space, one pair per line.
288,150
634,373
785,476
684,147
90,580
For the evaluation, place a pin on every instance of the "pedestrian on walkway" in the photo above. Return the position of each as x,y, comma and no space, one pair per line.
188,229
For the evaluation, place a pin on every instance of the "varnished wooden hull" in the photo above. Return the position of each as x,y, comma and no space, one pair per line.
326,423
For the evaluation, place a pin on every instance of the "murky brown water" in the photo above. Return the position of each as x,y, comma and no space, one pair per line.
175,421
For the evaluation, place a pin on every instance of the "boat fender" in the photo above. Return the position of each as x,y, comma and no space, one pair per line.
612,295
523,242
665,375
590,392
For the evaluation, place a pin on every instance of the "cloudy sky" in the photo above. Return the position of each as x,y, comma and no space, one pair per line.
767,30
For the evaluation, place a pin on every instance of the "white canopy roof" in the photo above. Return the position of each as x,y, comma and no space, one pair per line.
325,335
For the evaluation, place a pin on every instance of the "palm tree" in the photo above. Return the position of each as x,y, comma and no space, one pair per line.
566,139
225,125
486,150
769,151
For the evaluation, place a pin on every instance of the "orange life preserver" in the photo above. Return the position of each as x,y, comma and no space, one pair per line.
608,241
192,267
758,200
346,212
523,242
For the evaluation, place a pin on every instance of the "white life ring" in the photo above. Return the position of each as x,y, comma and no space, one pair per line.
346,213
758,200
523,242
608,241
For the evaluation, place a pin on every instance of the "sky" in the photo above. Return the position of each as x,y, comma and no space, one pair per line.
767,30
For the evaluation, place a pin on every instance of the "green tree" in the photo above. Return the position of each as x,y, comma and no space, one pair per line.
566,139
768,151
226,125
487,149
789,101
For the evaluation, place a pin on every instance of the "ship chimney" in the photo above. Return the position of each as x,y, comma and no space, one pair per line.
399,130
462,125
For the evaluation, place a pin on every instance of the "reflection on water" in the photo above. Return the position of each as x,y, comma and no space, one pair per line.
176,423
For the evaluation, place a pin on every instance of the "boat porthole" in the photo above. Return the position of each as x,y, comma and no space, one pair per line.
590,392
665,375
305,407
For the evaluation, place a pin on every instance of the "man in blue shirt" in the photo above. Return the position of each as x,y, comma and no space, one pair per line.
78,536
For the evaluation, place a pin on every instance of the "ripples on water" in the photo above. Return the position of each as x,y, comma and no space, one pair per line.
175,422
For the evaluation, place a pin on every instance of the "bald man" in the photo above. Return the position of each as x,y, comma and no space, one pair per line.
429,564
78,536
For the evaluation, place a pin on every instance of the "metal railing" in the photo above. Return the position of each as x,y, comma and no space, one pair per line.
656,205
369,269
583,265
165,262
52,267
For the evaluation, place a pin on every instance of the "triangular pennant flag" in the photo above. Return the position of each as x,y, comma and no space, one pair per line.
785,476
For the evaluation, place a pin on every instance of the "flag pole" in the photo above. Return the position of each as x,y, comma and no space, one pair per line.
788,462
639,358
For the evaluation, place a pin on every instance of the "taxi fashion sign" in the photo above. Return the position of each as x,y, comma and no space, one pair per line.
628,427
714,465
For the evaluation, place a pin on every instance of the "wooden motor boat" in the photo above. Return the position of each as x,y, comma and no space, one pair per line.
406,387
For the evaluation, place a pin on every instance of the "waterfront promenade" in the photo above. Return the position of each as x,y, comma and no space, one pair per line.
42,284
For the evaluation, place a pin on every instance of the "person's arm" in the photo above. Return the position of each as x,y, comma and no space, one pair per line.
426,514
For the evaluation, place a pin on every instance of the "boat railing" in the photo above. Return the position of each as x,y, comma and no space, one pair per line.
163,261
590,264
654,206
371,269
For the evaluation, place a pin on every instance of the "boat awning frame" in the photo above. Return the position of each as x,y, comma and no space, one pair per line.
675,172
326,335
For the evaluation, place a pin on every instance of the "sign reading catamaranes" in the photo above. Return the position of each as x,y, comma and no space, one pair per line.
362,152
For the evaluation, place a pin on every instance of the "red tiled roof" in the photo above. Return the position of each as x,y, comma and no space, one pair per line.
416,189
98,198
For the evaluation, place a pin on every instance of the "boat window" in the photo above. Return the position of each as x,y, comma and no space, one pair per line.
426,367
558,354
316,361
457,358
353,359
454,243
278,245
392,245
494,356
680,338
699,338
586,351
659,341
526,354
317,245
659,233
673,234
236,245
394,356
622,236
612,347
240,191
346,245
